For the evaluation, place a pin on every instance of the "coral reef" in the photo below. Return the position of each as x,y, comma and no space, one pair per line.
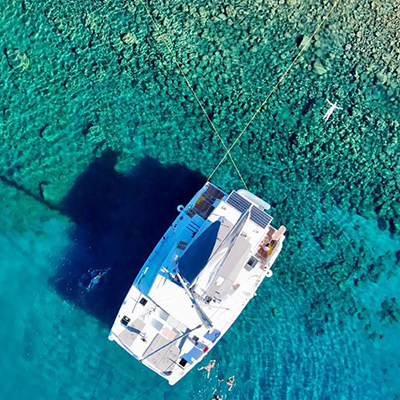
83,80
78,78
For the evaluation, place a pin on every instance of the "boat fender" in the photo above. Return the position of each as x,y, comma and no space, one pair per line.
269,273
180,208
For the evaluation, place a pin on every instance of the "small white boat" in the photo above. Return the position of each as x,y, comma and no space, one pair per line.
197,281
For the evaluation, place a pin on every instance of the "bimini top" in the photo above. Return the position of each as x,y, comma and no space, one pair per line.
198,253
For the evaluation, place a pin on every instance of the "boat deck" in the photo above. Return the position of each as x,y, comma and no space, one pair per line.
158,323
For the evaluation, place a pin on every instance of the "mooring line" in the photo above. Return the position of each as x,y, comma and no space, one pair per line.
101,375
147,391
193,92
276,86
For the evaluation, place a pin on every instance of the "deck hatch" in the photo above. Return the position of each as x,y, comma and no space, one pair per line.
182,362
258,216
143,301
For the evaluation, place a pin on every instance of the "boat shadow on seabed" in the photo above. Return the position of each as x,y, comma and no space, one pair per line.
118,219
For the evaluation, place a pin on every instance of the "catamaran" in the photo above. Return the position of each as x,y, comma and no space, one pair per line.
197,280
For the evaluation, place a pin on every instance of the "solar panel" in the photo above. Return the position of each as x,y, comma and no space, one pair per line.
237,201
258,216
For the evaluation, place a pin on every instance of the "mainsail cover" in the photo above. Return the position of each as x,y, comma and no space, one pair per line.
198,253
218,258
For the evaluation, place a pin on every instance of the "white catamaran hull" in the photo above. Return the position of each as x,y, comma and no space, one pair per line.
197,281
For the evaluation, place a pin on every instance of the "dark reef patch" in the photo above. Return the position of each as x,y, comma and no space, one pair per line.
118,220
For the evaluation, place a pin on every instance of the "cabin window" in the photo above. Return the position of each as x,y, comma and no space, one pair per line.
182,245
251,263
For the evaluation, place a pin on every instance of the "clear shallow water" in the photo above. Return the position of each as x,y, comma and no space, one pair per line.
90,126
53,348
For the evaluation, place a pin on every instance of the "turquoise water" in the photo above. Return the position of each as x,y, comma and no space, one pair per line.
101,140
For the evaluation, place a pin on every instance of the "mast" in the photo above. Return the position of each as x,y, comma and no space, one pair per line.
206,321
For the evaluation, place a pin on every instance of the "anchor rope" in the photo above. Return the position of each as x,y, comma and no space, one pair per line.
147,391
276,86
102,374
227,153
283,76
228,150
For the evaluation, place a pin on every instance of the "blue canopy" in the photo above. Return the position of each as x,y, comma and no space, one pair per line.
198,253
